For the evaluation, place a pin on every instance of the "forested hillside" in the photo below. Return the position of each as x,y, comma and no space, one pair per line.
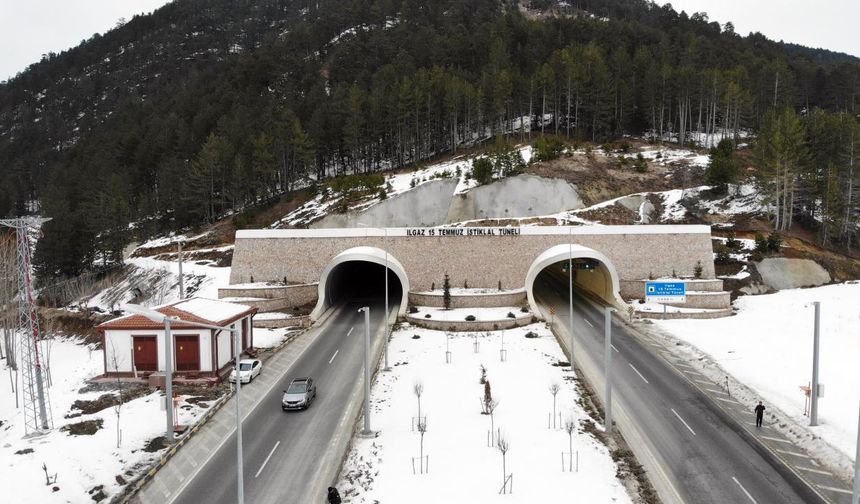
207,106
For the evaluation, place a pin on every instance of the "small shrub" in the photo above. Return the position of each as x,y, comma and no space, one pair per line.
427,316
697,269
774,242
415,336
470,318
532,335
511,315
482,170
465,284
548,148
651,275
760,243
483,375
382,194
433,286
412,309
640,165
756,256
524,309
732,243
723,253
500,285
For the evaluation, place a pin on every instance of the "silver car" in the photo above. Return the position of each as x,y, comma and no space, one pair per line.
299,395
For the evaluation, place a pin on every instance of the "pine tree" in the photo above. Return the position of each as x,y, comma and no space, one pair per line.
446,292
722,165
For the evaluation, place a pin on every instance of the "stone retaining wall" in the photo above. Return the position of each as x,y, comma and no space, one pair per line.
635,289
486,300
710,300
302,321
288,296
464,325
685,315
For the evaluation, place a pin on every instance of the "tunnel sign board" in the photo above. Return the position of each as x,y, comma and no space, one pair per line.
666,292
464,231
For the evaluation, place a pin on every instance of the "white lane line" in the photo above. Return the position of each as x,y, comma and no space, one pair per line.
267,459
333,356
796,454
589,323
685,423
816,471
833,489
613,347
778,440
350,331
731,401
637,372
744,490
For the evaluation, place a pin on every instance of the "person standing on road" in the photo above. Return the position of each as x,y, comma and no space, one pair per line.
759,414
333,496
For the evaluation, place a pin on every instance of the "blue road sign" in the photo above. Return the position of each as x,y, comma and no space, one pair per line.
666,292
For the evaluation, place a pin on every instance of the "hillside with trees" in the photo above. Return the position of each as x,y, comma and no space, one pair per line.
207,107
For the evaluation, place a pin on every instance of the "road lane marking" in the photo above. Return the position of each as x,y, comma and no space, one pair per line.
816,471
333,356
613,347
350,331
685,423
796,454
744,490
833,489
732,401
267,458
778,440
589,323
637,372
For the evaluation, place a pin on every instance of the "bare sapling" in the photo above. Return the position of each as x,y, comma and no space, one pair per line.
117,409
483,375
49,480
418,390
553,389
570,427
422,429
488,398
503,445
491,408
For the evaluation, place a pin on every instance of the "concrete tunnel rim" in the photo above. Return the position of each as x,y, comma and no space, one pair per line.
558,253
361,254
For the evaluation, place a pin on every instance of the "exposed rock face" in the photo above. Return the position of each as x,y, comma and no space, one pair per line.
784,273
434,203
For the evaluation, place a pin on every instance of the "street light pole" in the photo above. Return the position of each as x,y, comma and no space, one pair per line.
570,289
168,379
855,494
168,387
387,335
607,363
366,310
240,473
813,409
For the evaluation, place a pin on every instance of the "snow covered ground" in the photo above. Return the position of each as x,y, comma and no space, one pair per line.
462,467
768,347
499,313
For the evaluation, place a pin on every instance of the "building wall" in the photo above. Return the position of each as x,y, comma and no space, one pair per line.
120,341
483,261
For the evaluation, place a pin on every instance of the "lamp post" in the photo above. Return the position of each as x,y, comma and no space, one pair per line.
366,431
855,490
387,334
570,289
813,408
156,316
607,363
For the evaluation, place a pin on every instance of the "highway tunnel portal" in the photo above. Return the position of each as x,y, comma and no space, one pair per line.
609,262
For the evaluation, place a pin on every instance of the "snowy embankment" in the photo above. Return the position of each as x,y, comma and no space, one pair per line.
461,467
767,346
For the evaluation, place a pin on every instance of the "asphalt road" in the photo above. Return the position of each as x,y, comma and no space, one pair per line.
703,457
282,450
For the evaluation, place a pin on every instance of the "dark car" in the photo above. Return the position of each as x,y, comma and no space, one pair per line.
299,395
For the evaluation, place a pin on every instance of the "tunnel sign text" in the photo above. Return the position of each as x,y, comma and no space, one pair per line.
466,231
666,292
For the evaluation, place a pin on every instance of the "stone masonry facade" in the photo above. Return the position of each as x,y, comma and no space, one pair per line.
483,259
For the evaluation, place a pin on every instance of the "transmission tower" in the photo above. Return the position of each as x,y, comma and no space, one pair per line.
37,404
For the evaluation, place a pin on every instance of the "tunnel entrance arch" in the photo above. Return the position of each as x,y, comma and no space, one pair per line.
356,260
602,282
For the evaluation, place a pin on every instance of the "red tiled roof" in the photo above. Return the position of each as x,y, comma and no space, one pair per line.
140,322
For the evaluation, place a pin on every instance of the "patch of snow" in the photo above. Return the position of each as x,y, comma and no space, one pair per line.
211,309
499,313
270,338
462,467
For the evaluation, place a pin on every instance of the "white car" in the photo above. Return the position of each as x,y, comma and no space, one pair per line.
248,370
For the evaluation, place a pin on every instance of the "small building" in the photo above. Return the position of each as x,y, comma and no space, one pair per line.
134,344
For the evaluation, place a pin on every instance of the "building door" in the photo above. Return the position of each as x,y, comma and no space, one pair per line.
188,353
145,353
